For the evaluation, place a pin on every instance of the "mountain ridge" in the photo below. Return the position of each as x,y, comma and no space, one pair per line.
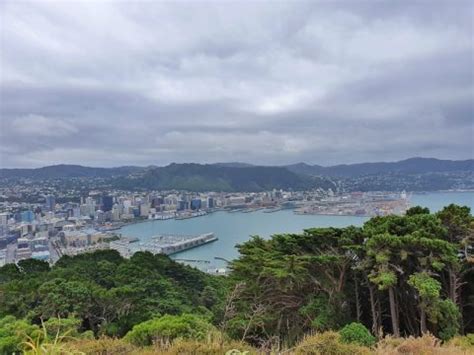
212,177
415,165
411,166
414,174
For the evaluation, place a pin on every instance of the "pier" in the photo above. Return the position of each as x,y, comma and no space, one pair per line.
174,243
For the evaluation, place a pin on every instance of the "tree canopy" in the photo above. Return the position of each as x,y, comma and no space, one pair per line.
400,275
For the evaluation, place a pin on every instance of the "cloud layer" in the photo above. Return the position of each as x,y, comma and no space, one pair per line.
107,84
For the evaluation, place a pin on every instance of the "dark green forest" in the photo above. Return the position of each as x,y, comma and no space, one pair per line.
402,275
399,275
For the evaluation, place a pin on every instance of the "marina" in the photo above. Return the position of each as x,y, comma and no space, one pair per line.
175,215
235,228
161,244
174,243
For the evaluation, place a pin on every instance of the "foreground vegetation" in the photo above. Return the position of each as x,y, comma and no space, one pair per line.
396,285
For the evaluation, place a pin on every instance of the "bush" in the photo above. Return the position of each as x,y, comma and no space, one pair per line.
465,342
113,346
102,346
357,333
167,328
14,332
208,348
448,321
66,326
427,344
328,343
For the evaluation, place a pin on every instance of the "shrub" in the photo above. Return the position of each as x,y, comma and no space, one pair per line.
102,346
448,321
328,343
14,332
45,343
67,326
167,328
426,345
357,333
208,348
465,342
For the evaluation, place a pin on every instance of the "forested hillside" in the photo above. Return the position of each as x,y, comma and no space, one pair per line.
407,166
396,275
399,276
198,177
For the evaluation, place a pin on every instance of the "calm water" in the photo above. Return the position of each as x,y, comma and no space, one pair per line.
234,228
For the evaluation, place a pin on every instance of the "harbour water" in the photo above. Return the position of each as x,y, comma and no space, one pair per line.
235,228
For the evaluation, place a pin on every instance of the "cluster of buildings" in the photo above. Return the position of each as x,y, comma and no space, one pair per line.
366,204
56,226
53,227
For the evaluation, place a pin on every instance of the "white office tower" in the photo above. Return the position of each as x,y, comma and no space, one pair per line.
144,209
115,213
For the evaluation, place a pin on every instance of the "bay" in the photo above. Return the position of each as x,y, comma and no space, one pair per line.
235,228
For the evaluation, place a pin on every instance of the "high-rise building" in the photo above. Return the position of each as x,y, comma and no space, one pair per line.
181,205
3,219
144,209
107,203
100,216
210,202
115,213
50,203
27,216
3,223
196,204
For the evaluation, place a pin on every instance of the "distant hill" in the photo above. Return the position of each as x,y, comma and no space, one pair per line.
215,177
68,171
234,165
408,166
416,174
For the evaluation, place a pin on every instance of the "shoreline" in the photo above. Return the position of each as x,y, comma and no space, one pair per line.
419,193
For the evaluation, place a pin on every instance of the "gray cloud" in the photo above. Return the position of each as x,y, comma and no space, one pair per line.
323,82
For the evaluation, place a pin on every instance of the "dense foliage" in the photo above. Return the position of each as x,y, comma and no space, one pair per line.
357,333
212,177
168,328
402,275
107,293
398,275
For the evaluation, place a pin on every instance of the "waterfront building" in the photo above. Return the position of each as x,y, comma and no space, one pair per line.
144,209
115,213
181,205
210,202
196,204
126,205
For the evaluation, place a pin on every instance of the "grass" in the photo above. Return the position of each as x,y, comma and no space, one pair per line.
44,344
327,343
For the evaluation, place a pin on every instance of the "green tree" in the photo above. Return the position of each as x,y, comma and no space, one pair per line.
13,332
357,333
429,293
168,328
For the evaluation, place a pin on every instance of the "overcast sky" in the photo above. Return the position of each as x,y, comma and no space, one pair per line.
138,83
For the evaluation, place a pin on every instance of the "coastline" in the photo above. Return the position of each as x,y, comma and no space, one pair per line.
246,211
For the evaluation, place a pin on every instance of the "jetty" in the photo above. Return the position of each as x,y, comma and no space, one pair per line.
174,243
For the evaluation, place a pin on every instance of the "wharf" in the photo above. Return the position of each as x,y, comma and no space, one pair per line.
173,243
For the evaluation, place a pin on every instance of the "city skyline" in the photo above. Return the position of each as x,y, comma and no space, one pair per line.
114,84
